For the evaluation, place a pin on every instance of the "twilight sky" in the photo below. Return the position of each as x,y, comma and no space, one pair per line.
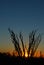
20,15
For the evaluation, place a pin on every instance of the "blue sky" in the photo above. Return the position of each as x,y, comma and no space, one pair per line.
20,15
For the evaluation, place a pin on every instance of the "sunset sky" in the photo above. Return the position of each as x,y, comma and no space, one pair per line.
20,15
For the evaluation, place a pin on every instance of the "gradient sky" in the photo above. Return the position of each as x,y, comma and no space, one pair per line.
20,15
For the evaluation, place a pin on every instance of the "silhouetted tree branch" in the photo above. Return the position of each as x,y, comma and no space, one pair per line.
15,41
21,38
37,42
33,42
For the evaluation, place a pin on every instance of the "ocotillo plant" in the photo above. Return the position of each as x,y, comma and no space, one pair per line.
31,41
34,42
15,41
21,38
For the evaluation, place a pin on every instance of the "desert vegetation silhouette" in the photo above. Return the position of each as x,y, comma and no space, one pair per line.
34,41
25,55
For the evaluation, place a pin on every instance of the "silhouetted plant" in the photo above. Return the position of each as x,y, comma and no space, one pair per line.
15,41
34,42
21,38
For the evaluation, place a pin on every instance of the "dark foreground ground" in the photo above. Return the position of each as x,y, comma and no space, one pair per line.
7,60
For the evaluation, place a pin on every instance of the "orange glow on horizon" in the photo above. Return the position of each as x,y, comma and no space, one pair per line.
37,54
